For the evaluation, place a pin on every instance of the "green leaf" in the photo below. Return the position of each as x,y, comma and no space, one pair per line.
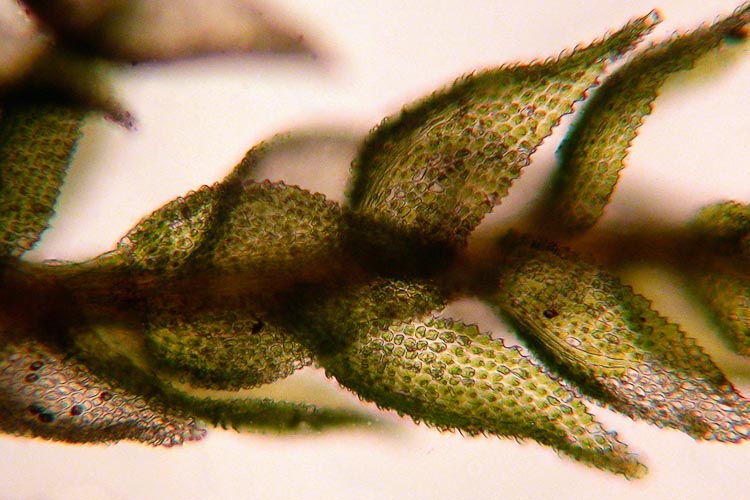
36,145
260,232
720,273
594,151
122,354
223,349
450,376
723,285
723,228
613,345
165,240
256,414
426,178
273,229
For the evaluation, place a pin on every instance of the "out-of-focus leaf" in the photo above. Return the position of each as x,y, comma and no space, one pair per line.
256,414
720,273
34,68
723,285
63,77
595,149
21,42
425,179
613,345
146,30
724,228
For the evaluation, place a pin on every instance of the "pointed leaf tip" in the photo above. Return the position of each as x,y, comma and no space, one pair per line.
596,147
448,375
426,178
614,345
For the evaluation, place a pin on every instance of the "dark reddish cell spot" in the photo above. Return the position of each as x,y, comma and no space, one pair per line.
46,418
31,377
550,313
105,396
36,365
38,208
76,410
257,327
36,409
738,34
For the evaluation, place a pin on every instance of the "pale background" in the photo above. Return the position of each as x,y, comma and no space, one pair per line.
197,118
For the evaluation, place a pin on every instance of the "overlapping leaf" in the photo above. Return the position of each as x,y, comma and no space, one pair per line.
720,274
595,149
241,283
218,255
377,340
724,229
424,180
238,226
616,348
223,349
116,353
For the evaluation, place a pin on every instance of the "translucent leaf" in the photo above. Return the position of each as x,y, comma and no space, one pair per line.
615,347
427,177
595,149
448,375
143,30
164,241
259,232
36,145
47,394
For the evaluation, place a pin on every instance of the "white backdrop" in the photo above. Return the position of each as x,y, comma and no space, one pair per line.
197,118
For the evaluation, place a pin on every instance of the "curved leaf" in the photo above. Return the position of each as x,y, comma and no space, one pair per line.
427,177
723,285
720,275
114,354
595,148
223,349
36,145
448,375
615,347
